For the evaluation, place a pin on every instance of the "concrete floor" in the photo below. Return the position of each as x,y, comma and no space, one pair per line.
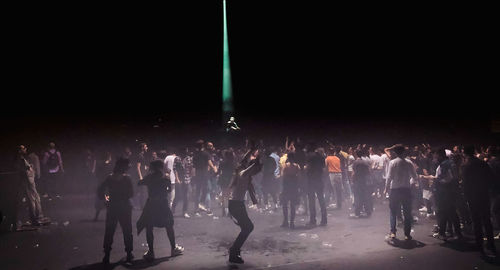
73,241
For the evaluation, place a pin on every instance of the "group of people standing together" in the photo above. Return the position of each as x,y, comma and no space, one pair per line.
461,185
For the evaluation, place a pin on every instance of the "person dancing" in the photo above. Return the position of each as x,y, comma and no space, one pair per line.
241,183
156,211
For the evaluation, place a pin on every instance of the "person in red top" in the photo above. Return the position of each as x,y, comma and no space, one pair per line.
332,163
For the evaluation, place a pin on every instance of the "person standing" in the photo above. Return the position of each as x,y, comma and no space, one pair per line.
332,163
494,163
157,212
104,168
477,177
201,164
377,170
290,193
270,174
361,179
445,189
314,170
27,173
173,165
141,169
88,171
184,172
53,164
187,164
227,167
117,190
241,183
401,171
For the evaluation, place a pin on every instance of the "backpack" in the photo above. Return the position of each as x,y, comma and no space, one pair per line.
53,161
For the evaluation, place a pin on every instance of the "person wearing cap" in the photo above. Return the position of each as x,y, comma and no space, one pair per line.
400,173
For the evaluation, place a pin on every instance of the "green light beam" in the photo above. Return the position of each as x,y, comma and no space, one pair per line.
227,91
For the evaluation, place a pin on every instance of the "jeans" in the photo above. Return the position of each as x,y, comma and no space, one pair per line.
400,197
336,181
238,211
182,194
315,189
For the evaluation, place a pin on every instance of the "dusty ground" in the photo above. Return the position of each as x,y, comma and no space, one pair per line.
73,241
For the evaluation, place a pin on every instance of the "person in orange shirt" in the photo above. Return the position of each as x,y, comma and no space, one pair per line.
332,163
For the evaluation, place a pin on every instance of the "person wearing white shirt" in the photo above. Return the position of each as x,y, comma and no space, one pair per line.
398,184
377,167
171,171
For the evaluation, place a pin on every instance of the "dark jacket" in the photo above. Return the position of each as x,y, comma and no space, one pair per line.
156,212
118,187
477,177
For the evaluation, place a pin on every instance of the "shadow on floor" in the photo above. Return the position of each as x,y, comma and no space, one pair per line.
404,244
464,245
97,266
91,221
143,264
137,264
491,260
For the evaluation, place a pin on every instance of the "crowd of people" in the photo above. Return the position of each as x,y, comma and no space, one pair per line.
457,185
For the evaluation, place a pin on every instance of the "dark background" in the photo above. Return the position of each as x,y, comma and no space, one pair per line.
295,66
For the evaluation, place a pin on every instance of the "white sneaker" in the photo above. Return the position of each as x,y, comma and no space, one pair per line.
202,208
197,214
423,209
186,215
177,251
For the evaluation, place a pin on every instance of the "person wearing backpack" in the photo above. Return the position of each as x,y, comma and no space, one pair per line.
53,168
